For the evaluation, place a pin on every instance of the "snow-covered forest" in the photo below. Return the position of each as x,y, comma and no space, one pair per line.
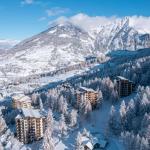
124,122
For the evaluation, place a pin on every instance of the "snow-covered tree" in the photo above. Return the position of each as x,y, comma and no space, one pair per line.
62,125
144,144
86,133
65,107
130,114
87,108
78,142
50,121
61,103
137,142
2,124
112,118
41,104
73,117
100,98
35,98
48,143
123,119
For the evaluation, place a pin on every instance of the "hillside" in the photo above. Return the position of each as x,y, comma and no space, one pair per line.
66,44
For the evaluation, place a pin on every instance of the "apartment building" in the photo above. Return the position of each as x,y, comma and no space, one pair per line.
21,101
124,86
88,95
30,125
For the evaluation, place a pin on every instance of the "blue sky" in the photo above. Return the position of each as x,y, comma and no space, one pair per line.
20,19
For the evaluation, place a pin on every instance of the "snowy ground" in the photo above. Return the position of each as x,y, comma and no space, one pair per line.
97,124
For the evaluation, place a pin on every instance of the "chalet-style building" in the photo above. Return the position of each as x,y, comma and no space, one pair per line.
66,86
93,143
30,125
91,59
21,101
88,95
124,86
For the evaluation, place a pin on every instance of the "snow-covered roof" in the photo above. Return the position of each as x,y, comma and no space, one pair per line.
18,116
21,98
17,96
35,113
86,142
101,142
121,78
95,141
84,89
91,142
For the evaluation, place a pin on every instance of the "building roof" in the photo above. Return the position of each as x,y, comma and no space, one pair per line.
101,142
121,78
18,116
90,57
85,89
33,113
21,98
86,142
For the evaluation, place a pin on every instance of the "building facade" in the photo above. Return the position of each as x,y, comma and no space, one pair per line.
30,125
21,101
124,86
88,95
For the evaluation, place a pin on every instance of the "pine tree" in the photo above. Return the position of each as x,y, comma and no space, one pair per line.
112,118
87,108
137,142
78,144
85,133
73,117
2,124
48,143
62,125
34,98
130,114
50,120
123,119
65,107
41,104
144,144
61,104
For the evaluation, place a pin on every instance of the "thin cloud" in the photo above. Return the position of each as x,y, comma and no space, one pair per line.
140,23
56,11
42,19
27,2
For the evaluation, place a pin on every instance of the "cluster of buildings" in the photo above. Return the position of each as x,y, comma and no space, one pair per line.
30,123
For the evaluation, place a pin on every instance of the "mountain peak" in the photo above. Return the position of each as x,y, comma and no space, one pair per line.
61,24
125,21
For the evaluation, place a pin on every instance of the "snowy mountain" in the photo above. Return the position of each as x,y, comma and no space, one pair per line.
6,44
65,44
59,46
121,36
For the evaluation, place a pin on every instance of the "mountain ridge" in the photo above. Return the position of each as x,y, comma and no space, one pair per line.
65,44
